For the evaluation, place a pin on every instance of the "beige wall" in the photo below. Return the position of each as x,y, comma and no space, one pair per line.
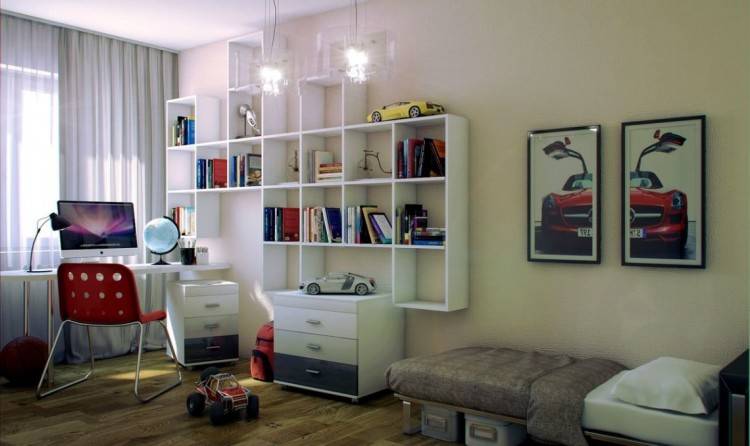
512,66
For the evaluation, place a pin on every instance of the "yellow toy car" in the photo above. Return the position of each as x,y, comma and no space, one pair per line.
411,109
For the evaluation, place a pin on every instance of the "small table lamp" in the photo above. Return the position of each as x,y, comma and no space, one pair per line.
58,223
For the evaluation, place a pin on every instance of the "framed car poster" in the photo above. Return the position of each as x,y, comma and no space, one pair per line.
663,192
564,190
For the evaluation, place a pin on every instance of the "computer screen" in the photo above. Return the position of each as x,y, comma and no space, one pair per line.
98,229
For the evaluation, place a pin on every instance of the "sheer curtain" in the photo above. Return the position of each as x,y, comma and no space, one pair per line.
109,96
29,162
112,97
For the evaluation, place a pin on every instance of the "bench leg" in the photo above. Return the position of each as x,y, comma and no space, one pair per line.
409,426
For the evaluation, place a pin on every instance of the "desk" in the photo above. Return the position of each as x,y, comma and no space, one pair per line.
49,277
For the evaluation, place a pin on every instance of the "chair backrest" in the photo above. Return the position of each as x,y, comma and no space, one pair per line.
98,293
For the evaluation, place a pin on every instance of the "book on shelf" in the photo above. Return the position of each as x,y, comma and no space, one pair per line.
382,226
182,131
366,224
419,158
323,167
211,173
412,227
246,170
184,218
321,225
280,224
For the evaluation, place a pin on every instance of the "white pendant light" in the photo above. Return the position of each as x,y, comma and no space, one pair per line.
356,56
271,75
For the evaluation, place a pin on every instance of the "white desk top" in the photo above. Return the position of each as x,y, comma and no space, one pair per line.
138,268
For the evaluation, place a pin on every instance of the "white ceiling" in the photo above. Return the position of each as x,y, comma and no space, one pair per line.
172,24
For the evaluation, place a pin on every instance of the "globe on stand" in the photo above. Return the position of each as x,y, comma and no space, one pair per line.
160,236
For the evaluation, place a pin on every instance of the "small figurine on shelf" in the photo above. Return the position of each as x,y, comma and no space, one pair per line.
250,120
223,395
339,283
365,165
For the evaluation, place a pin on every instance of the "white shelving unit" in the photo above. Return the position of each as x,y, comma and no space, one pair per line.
329,114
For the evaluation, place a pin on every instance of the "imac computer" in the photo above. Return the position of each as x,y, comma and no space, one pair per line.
97,229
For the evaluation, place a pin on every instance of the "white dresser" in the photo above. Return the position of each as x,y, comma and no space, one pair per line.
202,320
336,344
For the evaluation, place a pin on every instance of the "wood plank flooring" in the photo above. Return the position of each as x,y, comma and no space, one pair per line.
103,411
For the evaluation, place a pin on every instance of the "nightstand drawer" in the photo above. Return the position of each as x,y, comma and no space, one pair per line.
211,348
307,345
201,327
324,375
327,323
221,305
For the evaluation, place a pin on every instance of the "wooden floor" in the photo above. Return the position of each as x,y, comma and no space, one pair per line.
103,411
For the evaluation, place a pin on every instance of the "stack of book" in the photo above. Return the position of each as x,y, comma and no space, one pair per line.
182,131
321,225
281,224
412,227
324,168
184,217
211,174
367,225
418,158
246,170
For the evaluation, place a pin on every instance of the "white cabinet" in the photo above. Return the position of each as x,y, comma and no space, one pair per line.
336,344
202,320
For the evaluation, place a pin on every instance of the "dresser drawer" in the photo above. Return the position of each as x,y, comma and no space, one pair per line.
213,348
199,306
323,375
209,326
307,345
328,323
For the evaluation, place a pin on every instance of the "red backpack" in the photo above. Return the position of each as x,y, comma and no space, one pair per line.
261,362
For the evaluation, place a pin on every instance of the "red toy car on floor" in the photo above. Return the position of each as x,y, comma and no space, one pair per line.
224,395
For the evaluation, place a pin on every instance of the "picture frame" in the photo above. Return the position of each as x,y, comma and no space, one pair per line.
663,192
564,177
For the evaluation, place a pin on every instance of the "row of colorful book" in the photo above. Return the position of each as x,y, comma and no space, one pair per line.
323,167
281,224
418,158
367,225
211,173
412,227
245,170
182,131
321,225
184,217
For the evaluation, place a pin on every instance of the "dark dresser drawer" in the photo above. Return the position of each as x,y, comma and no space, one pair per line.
211,348
323,375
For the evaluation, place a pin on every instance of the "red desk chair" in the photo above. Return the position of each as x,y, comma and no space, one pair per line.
103,295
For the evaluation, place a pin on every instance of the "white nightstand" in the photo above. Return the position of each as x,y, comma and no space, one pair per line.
336,344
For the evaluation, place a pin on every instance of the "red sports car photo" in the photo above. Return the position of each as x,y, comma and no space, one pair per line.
658,217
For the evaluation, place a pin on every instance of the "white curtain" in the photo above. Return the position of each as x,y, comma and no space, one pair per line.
29,163
112,97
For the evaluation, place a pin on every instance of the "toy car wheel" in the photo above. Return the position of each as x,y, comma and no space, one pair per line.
217,413
253,407
313,289
376,117
414,112
361,289
208,372
196,403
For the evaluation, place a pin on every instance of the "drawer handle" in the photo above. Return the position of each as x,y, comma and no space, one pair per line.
213,347
312,371
313,321
437,422
483,432
313,347
212,305
211,326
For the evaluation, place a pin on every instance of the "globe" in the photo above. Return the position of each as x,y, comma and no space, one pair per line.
160,236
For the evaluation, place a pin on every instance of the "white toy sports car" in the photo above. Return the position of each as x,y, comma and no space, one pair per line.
339,283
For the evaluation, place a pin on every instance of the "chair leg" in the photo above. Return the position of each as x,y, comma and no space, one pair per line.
39,393
169,387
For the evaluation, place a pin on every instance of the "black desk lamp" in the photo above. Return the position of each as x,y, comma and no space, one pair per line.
58,223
